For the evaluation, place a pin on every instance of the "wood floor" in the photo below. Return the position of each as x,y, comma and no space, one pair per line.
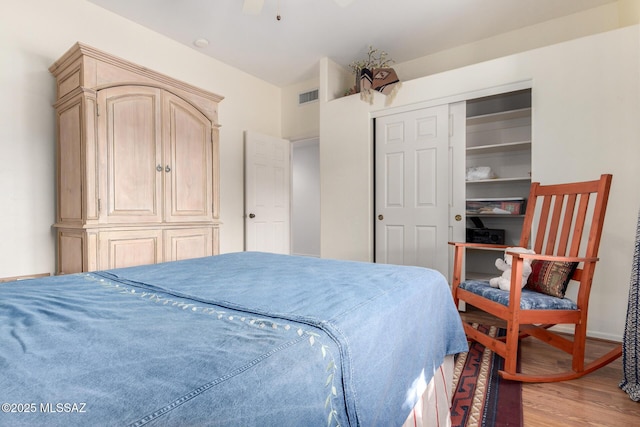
593,400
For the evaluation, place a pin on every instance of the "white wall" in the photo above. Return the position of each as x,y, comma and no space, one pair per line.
608,17
586,104
35,33
591,21
299,121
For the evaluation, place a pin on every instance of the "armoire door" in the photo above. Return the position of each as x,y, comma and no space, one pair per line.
130,153
158,154
129,248
186,243
412,170
188,170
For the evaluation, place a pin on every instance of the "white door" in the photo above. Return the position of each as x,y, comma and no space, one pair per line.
267,193
412,174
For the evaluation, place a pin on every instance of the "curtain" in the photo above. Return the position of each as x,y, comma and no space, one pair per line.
631,341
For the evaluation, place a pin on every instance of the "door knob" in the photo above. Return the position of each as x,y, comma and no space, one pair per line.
458,217
380,217
252,215
167,169
159,168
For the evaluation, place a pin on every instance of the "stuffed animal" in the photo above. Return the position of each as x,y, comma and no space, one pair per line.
504,282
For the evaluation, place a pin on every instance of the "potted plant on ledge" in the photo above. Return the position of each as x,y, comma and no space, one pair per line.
374,74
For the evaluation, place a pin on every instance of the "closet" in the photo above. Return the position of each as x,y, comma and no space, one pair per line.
137,165
448,171
498,174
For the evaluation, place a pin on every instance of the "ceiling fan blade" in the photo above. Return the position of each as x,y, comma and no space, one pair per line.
252,7
343,3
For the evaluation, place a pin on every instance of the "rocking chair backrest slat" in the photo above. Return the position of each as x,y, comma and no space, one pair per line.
598,217
566,225
579,224
555,221
527,227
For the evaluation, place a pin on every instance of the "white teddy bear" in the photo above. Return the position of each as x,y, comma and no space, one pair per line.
504,282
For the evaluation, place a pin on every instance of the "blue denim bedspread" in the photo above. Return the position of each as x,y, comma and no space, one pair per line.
244,339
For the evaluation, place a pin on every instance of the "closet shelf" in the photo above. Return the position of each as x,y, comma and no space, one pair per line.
500,148
502,115
496,180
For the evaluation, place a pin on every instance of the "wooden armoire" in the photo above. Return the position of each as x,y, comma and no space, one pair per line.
137,165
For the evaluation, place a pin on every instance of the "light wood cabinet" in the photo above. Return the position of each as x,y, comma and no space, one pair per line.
137,165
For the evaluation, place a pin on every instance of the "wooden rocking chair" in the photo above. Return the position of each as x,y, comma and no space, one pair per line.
567,221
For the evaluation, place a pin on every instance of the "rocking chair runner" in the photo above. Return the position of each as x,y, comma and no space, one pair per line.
559,215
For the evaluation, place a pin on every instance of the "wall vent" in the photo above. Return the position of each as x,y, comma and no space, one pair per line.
306,97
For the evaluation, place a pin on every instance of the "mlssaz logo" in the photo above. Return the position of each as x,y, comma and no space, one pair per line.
63,407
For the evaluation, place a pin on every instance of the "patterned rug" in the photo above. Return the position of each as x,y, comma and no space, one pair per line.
481,398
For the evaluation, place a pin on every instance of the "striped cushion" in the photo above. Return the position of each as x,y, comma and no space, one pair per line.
530,300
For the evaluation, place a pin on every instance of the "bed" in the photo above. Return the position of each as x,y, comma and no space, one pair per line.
240,339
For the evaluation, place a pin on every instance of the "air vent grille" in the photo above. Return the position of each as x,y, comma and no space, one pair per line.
306,97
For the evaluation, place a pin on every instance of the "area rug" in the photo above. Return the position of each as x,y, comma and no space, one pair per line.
481,398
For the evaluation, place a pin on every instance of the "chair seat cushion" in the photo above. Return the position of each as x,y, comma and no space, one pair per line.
530,300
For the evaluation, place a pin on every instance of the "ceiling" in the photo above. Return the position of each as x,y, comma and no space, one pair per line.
287,51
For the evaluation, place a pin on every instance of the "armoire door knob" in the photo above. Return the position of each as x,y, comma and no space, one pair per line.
167,169
252,215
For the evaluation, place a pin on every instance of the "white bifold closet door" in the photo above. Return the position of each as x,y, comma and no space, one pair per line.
413,188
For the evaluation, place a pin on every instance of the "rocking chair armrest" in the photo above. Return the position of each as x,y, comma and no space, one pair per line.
487,246
554,257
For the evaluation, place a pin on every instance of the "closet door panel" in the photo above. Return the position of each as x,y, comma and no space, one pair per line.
412,188
130,131
188,158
